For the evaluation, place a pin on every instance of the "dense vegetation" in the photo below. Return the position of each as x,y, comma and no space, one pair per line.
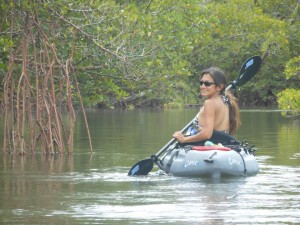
141,53
132,53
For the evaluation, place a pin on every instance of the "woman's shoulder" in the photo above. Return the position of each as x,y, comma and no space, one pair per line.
211,102
210,105
215,104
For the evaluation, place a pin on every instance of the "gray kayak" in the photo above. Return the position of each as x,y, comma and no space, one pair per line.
234,159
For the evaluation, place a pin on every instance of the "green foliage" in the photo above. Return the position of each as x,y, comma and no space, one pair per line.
282,10
292,68
5,41
5,45
123,48
289,100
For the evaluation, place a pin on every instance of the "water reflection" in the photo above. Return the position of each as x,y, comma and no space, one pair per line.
95,189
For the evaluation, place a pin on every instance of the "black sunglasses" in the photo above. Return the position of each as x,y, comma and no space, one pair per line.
206,83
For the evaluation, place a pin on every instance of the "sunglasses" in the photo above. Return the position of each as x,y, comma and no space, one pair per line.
206,83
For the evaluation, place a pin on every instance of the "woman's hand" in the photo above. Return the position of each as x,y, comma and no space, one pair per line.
179,136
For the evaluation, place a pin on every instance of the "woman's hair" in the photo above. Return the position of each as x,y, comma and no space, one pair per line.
234,114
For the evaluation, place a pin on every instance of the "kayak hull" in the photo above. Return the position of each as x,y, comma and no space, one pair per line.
215,162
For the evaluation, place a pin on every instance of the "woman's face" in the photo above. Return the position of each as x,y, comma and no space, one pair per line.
208,87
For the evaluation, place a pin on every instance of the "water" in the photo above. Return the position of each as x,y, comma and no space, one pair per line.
95,189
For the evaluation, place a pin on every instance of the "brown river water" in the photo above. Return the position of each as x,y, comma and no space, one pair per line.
86,188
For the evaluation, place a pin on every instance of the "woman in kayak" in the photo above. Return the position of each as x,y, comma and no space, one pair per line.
219,112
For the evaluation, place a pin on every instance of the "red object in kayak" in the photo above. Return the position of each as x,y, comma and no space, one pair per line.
208,148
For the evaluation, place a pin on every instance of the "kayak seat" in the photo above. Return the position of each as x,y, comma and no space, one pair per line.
217,137
208,148
223,138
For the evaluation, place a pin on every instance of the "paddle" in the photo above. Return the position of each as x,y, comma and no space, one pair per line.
247,71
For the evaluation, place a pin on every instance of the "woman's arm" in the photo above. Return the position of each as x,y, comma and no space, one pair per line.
206,132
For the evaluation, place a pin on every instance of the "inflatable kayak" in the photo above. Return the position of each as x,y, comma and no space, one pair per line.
222,155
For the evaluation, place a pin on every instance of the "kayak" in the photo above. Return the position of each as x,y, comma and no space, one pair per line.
222,155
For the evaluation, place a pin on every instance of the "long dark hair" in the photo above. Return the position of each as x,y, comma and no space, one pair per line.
234,113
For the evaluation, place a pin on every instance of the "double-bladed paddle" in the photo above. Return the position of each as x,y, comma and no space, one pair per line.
247,71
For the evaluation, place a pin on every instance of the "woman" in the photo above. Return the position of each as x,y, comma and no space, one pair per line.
219,112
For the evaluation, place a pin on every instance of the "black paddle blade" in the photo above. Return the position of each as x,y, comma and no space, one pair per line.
142,167
248,70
